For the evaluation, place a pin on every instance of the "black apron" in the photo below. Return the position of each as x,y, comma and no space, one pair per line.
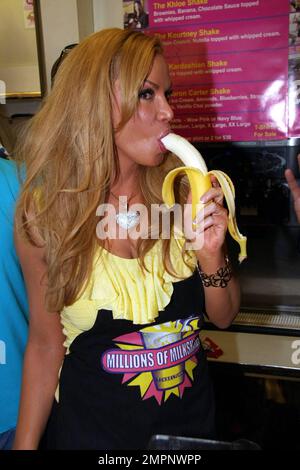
122,383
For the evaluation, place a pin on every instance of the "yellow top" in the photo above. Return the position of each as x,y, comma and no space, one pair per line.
120,284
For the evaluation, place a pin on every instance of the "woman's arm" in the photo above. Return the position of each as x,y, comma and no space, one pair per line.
221,303
44,352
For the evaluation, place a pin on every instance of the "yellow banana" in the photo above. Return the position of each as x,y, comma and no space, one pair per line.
199,179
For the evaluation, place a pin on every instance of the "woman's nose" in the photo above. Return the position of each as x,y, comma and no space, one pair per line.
165,112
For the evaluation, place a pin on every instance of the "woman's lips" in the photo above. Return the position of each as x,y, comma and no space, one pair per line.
161,145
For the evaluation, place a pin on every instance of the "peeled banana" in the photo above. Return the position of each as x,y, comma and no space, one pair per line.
199,179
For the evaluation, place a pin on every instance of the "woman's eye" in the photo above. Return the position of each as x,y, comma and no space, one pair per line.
146,94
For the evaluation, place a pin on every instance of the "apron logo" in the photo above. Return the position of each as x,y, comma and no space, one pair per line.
159,359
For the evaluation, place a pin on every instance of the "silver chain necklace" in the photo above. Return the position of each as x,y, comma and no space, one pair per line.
126,219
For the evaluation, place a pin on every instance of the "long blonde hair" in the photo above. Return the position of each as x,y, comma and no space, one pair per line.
71,159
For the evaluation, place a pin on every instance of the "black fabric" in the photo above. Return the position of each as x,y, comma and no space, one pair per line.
97,411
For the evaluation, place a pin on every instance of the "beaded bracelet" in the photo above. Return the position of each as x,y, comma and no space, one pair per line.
220,278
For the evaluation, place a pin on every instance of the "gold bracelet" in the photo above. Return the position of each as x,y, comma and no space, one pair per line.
220,278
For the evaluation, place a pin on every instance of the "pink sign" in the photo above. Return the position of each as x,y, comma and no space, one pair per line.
179,12
229,66
294,72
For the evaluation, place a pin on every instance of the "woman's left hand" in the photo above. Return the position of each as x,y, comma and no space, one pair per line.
211,222
221,303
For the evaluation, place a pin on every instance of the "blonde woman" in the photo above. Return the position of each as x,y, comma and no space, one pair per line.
114,354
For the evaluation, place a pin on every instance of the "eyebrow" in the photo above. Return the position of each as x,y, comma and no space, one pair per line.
152,83
156,86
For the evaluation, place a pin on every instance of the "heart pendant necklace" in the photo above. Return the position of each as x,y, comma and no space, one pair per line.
128,219
125,218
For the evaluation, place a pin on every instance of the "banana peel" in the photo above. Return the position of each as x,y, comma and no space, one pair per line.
200,182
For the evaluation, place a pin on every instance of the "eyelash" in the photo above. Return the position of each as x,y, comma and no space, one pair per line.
148,94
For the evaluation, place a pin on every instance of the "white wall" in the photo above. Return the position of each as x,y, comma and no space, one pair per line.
68,21
63,22
59,28
107,14
85,12
18,51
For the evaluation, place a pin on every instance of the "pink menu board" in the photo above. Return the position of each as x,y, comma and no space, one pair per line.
235,66
294,70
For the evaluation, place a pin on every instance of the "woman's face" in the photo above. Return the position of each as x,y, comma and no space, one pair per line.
139,140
